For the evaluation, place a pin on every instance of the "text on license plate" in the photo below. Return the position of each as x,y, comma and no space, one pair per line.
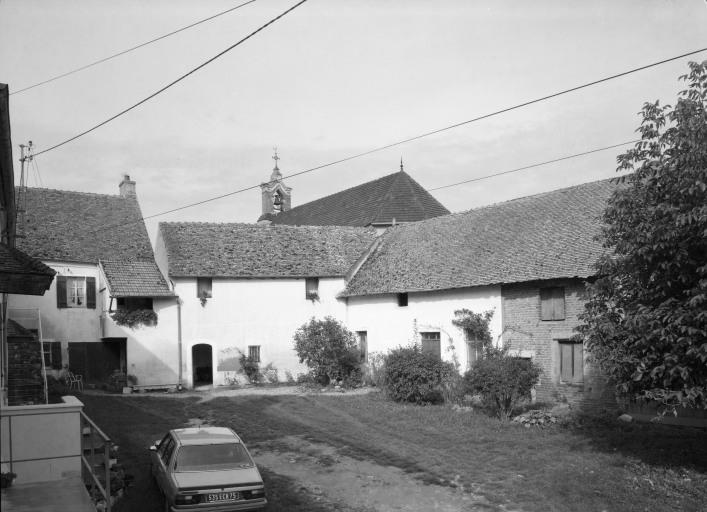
223,496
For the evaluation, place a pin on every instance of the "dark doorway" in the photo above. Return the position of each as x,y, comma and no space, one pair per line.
97,361
202,364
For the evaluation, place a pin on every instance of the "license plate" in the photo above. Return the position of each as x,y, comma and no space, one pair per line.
223,496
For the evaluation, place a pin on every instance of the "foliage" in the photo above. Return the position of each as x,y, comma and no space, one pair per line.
374,369
414,376
269,373
250,367
645,322
503,381
476,328
134,317
328,348
6,479
56,388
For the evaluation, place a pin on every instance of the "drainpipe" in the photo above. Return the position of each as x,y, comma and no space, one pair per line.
179,341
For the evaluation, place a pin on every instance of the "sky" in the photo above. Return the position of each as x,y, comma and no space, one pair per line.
332,79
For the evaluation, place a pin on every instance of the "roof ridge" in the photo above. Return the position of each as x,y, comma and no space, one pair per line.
76,192
304,227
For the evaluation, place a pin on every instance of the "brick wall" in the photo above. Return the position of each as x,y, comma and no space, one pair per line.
524,331
24,380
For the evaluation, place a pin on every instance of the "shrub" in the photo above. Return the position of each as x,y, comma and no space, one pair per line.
502,381
269,373
328,348
413,376
374,370
250,367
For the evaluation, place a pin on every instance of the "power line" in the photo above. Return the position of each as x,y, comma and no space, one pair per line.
404,141
252,187
123,52
125,111
546,162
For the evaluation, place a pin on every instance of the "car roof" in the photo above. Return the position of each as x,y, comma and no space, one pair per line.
205,435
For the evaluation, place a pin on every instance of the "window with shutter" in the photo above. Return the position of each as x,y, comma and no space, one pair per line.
431,343
552,303
571,361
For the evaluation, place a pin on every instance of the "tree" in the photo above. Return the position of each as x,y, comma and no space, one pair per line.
645,322
329,349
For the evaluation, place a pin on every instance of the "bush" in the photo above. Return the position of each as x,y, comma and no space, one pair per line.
413,376
374,370
269,373
502,381
329,349
250,367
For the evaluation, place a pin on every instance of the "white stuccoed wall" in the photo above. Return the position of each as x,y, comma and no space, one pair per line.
389,326
243,312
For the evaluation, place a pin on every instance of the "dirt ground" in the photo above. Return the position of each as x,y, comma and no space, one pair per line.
320,471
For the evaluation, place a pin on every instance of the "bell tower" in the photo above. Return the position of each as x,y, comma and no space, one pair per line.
277,197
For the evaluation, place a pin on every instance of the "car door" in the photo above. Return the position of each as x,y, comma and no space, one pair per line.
160,462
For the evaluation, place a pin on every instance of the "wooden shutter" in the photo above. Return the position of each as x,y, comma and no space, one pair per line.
61,292
566,361
552,303
363,345
578,363
91,292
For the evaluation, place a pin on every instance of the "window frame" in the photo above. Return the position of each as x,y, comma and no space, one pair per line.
254,349
403,299
431,336
311,288
204,287
51,350
363,345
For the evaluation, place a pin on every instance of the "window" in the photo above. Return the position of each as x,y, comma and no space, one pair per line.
402,299
431,344
52,354
473,348
76,292
203,287
311,288
552,303
571,361
363,344
254,353
134,303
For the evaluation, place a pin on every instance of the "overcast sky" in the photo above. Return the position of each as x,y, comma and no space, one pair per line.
332,79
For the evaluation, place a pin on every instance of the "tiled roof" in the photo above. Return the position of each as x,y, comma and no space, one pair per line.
394,197
22,274
252,250
135,279
545,236
15,330
82,227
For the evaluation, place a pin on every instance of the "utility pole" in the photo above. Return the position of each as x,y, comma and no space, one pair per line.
20,203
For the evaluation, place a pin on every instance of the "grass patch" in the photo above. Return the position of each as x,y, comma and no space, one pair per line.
588,465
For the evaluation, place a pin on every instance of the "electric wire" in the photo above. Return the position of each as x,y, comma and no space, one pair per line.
400,142
194,70
123,52
525,167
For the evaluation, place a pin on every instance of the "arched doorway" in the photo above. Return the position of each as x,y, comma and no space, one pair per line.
202,364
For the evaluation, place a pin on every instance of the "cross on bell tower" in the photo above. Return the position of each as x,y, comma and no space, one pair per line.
276,195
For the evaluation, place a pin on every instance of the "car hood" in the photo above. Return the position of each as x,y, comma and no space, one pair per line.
193,480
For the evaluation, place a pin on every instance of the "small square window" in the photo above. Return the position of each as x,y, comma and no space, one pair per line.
431,343
402,299
254,353
203,287
311,288
552,303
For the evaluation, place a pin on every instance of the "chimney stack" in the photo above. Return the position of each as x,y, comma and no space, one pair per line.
127,187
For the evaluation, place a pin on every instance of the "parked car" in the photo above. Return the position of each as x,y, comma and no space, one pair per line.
206,469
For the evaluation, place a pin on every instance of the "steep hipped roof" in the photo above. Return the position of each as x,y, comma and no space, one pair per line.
258,251
396,197
83,227
135,279
22,274
546,236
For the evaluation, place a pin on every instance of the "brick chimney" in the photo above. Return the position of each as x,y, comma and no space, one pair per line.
127,187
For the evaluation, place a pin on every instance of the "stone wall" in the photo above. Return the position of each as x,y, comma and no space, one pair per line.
527,334
24,381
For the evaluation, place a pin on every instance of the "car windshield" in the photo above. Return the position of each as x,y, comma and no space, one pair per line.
204,457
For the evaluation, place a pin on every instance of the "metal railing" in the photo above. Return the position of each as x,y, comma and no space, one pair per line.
89,431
